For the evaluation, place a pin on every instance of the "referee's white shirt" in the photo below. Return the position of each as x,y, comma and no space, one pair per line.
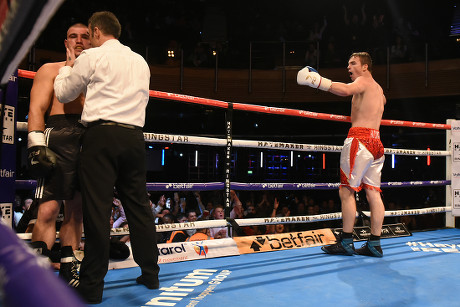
115,81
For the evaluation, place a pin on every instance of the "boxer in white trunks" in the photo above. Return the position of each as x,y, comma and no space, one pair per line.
362,158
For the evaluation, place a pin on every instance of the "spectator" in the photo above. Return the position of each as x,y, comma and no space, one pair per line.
119,250
278,228
159,210
204,213
311,56
263,207
173,236
330,207
199,57
120,217
201,234
379,38
317,31
332,57
208,210
300,209
237,211
179,205
158,207
196,234
354,30
159,218
20,208
398,51
251,210
409,220
219,232
181,218
191,217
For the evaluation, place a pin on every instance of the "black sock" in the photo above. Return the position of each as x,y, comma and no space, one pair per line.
374,238
347,235
40,248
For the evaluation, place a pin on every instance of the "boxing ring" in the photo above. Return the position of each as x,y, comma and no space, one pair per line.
418,269
421,270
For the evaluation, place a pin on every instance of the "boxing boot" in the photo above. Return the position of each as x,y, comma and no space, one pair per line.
69,267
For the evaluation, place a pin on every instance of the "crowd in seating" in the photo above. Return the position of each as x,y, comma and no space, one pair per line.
326,32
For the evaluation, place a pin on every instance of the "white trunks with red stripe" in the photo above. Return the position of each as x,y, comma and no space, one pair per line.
361,160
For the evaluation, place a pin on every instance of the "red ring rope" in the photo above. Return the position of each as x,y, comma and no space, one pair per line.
269,110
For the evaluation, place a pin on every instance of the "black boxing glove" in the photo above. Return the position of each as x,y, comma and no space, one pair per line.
41,159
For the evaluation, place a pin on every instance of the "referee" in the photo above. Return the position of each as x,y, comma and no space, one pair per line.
116,82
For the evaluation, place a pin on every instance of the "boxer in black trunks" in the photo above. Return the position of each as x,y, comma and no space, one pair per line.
52,157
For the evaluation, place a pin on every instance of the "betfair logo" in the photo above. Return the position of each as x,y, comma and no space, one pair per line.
6,173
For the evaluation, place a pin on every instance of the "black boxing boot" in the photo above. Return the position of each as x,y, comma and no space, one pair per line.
344,245
371,247
69,267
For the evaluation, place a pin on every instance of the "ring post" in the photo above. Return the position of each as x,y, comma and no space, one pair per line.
8,148
228,156
453,171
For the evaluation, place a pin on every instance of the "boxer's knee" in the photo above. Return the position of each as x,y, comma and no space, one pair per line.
48,211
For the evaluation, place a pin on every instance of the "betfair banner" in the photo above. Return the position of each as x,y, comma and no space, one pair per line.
274,242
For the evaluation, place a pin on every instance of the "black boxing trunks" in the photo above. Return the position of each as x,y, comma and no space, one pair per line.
63,136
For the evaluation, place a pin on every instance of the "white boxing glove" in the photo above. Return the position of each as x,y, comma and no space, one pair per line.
309,76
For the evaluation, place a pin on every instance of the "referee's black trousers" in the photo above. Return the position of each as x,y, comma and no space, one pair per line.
114,156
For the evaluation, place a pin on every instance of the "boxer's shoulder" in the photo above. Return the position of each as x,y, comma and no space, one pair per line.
50,69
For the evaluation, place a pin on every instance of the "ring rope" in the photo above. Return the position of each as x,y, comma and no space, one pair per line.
199,140
239,186
267,221
269,110
333,216
286,111
275,145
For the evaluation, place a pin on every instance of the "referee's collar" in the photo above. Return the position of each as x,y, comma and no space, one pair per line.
111,42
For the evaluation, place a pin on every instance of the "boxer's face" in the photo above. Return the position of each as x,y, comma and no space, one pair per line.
78,39
354,67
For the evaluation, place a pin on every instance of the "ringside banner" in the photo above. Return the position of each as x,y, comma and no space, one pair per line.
361,233
184,251
274,242
8,148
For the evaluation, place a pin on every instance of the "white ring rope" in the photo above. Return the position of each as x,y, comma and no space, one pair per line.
268,221
274,145
199,140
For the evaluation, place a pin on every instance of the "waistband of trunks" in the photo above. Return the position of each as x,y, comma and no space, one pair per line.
362,132
63,120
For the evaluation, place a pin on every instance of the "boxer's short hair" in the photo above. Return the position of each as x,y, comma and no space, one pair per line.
365,58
